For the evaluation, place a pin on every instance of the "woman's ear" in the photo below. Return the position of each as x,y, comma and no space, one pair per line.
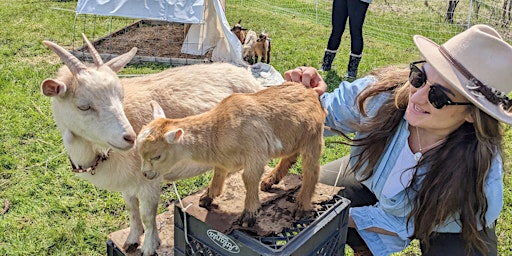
469,117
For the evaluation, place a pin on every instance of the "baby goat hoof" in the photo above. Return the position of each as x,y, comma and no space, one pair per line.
248,219
267,183
266,186
301,214
130,247
205,202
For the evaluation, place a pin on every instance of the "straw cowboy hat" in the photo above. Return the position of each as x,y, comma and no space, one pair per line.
478,64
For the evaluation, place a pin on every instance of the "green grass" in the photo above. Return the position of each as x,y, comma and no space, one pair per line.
52,212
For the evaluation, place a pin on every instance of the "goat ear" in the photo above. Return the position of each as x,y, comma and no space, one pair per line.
118,63
174,136
158,112
52,87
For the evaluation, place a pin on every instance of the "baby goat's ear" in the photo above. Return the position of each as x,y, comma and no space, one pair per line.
158,112
174,136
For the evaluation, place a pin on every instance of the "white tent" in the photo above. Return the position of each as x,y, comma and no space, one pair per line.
209,28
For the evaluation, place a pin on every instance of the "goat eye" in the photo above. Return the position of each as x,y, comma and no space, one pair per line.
156,158
84,108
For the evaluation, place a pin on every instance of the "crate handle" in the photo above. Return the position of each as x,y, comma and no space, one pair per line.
184,210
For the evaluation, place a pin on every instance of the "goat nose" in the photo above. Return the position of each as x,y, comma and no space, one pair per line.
130,138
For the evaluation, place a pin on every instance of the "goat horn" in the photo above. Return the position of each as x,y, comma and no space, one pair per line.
96,57
117,63
72,62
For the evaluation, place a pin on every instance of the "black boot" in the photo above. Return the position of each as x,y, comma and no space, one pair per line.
328,58
353,65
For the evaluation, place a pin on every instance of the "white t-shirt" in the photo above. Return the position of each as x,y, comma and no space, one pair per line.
401,175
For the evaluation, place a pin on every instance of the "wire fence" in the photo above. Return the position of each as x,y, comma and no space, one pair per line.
397,20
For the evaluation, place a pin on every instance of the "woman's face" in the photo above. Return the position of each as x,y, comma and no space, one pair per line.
422,114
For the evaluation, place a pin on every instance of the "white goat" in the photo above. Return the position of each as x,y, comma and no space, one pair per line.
99,115
242,131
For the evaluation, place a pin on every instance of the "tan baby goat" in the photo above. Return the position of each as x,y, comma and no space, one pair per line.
244,131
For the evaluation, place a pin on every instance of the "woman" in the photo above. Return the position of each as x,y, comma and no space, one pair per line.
426,159
355,12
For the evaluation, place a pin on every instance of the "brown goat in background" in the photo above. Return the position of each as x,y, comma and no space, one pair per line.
239,31
262,48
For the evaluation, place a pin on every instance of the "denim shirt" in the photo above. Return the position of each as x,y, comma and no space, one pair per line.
391,213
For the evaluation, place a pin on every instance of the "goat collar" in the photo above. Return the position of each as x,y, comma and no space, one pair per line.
92,169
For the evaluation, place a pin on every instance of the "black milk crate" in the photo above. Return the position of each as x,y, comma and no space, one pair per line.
325,234
113,250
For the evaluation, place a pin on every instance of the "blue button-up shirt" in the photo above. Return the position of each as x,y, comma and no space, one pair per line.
391,213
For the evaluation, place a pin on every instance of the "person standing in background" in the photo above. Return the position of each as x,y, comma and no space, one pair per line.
355,12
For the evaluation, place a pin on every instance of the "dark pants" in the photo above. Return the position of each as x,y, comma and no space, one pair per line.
453,244
355,12
440,243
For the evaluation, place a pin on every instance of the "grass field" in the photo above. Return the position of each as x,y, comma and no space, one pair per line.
51,211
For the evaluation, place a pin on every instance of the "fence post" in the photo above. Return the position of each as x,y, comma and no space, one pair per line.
470,11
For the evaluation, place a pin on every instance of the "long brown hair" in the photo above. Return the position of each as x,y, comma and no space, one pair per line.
448,188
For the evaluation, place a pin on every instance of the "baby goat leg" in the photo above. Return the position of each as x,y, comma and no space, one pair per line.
310,175
251,177
278,173
215,187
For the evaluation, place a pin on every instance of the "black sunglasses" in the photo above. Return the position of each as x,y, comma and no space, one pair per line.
436,95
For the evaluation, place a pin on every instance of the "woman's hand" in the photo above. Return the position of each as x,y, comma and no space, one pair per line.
309,77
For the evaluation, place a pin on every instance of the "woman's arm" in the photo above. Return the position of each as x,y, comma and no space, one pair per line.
352,224
493,189
341,103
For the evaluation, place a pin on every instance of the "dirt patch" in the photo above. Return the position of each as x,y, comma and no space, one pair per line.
152,38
